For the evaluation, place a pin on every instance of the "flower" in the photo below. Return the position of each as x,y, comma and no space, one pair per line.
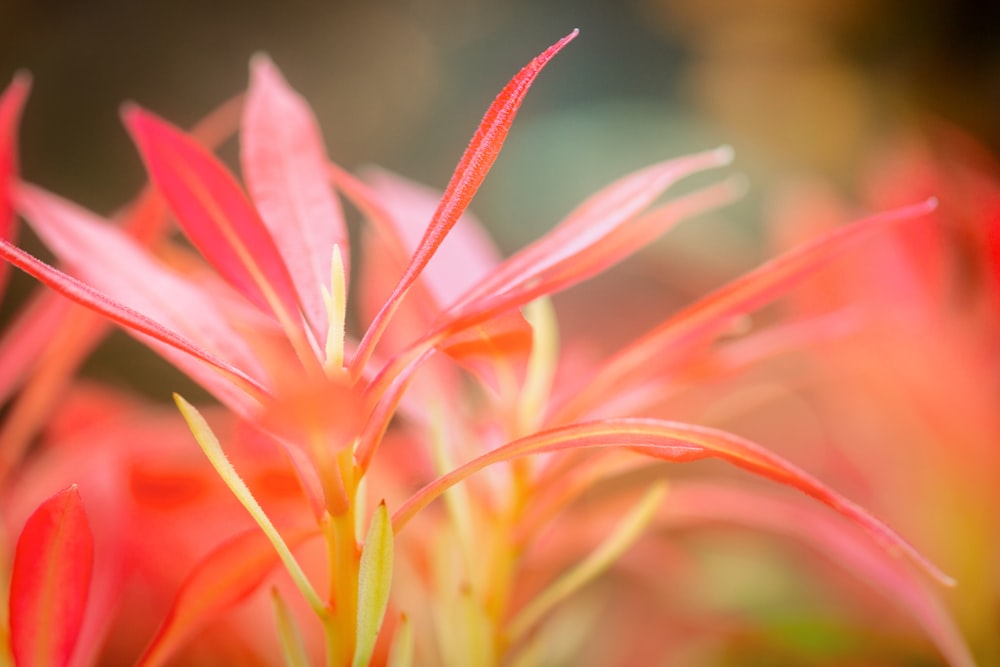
457,371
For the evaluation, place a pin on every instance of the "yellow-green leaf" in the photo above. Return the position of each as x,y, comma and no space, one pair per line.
374,583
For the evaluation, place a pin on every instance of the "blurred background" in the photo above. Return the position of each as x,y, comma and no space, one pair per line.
803,89
836,108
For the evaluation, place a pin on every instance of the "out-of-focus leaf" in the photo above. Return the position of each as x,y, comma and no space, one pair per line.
107,259
11,104
50,582
675,442
284,165
645,357
73,289
224,578
703,502
597,233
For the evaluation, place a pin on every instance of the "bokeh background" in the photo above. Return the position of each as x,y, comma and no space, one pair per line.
810,93
801,88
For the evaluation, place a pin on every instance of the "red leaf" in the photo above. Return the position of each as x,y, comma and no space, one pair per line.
676,442
11,104
601,233
647,356
128,318
50,581
106,259
223,579
466,255
285,165
215,214
591,238
469,175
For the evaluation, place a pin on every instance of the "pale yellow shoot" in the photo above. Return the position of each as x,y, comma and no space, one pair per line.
360,508
213,450
292,647
626,532
456,498
336,313
401,653
542,363
374,584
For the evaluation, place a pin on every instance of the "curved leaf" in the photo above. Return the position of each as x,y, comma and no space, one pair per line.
675,442
645,356
50,581
223,579
106,258
73,289
466,255
472,168
597,226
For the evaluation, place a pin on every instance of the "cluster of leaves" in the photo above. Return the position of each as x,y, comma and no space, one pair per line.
454,389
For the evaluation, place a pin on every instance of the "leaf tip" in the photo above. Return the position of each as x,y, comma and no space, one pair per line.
132,115
261,65
21,82
724,155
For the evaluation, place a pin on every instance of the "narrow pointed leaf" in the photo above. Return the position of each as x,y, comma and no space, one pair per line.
223,579
144,219
676,442
73,289
628,530
599,217
401,653
50,582
706,316
466,255
472,168
293,647
543,276
210,445
284,165
374,584
11,104
215,214
107,259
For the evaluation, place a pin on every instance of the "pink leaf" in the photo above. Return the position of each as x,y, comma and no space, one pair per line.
677,442
50,582
596,239
223,579
26,338
128,318
284,165
466,255
11,103
215,214
472,168
144,219
706,316
105,258
598,223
